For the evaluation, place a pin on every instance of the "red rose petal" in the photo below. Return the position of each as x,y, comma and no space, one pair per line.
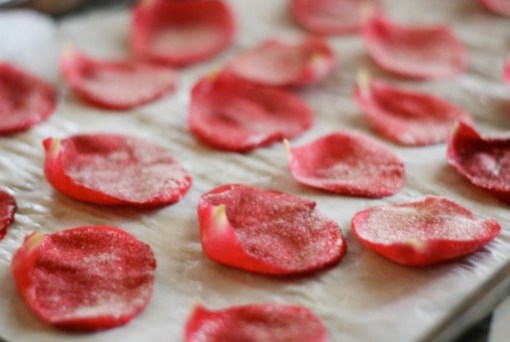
506,72
181,32
423,52
276,63
24,100
231,114
423,233
85,278
404,116
267,231
501,7
255,323
116,84
330,17
7,210
484,161
110,169
349,164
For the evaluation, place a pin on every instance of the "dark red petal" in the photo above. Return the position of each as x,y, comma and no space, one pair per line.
501,7
85,278
112,169
506,72
330,17
423,52
407,117
276,63
230,114
423,233
120,84
181,32
267,231
255,323
24,100
349,164
7,210
484,161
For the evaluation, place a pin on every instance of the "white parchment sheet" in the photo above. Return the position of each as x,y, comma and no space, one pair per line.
365,297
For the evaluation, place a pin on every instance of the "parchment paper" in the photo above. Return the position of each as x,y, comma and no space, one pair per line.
365,297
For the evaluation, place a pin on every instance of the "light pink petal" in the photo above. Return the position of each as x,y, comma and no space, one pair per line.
119,84
407,117
181,32
348,164
228,113
276,63
422,52
423,233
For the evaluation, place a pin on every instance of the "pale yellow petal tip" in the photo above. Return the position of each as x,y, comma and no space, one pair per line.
317,59
417,244
68,51
287,146
55,146
363,79
34,240
213,73
455,127
219,215
196,303
367,10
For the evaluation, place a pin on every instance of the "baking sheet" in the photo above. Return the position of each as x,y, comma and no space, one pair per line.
365,297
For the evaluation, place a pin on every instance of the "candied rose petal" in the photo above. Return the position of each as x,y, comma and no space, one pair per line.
86,278
423,233
483,160
7,211
422,52
256,323
181,32
404,116
506,72
25,100
228,113
501,7
111,169
277,63
248,228
330,17
116,84
348,164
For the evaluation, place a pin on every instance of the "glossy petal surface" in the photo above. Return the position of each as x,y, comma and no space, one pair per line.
231,114
407,117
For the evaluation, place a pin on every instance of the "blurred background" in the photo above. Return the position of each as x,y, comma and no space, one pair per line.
58,8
